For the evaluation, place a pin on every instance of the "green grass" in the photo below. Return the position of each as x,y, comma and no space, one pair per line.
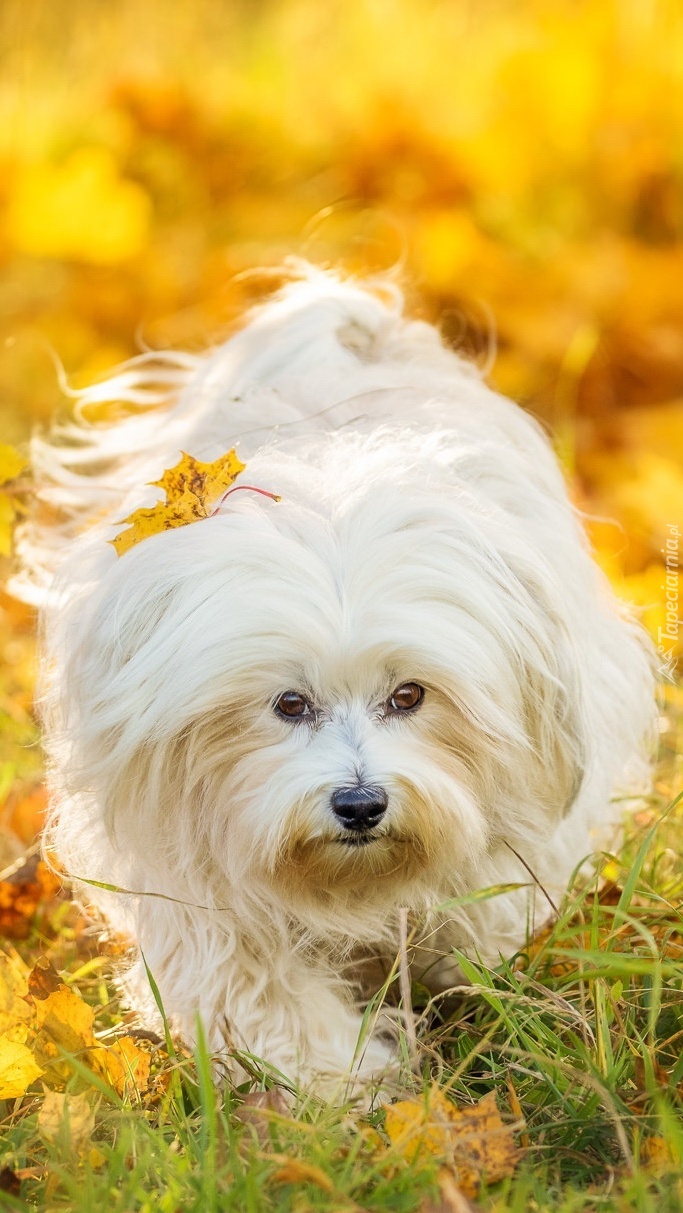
583,1033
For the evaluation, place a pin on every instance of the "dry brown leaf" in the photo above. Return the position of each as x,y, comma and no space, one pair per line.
43,979
641,1074
10,1181
193,491
474,1140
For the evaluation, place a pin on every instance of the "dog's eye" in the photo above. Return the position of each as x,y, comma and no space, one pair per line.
292,705
406,697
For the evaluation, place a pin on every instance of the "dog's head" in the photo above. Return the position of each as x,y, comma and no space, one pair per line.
343,700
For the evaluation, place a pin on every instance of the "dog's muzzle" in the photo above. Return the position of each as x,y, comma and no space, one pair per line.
359,808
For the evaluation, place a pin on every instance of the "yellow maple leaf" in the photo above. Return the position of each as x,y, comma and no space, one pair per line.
193,491
62,1023
18,1066
124,1065
61,1026
66,1020
474,1140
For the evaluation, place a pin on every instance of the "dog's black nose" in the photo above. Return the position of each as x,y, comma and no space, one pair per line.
359,808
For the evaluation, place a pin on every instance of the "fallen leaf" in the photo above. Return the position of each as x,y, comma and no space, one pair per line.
292,1171
474,1140
43,980
123,1064
18,1067
66,1117
63,1023
641,1074
31,1173
656,1154
193,490
14,975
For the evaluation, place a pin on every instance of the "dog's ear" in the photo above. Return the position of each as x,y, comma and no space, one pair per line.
548,642
554,724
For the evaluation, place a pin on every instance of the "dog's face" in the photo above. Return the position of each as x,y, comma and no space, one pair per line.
339,701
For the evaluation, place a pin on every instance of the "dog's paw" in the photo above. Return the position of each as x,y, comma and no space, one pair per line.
370,1079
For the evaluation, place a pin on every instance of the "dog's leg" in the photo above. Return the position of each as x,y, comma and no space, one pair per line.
301,1023
269,1002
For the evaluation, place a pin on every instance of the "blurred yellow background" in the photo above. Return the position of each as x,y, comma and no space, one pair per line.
518,165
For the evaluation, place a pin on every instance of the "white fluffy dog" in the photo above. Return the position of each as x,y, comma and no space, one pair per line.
404,682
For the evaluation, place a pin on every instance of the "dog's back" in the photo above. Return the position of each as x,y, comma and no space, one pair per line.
323,356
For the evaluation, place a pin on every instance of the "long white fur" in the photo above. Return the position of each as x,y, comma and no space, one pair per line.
424,534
